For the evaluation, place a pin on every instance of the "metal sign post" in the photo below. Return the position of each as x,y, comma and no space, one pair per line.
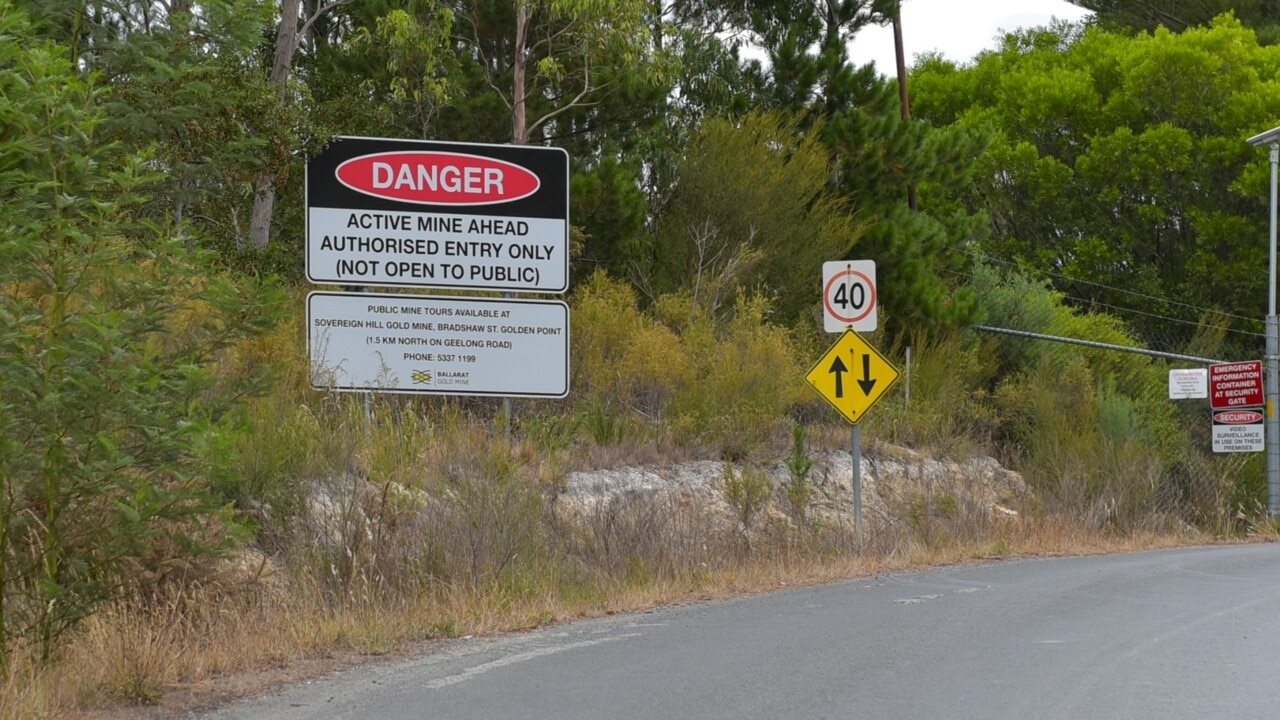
870,377
856,453
1271,139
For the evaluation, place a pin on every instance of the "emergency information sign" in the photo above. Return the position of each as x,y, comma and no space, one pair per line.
438,345
1235,385
410,213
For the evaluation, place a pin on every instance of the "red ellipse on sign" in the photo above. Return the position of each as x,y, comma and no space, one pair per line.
437,178
834,281
1238,417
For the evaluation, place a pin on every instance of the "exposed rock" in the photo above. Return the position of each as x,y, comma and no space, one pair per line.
895,485
251,570
694,484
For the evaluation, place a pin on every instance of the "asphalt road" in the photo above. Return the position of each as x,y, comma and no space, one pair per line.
1175,634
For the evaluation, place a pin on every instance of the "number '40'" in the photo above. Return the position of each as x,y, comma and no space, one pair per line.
854,295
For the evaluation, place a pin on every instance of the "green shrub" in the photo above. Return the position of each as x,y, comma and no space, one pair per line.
799,465
745,378
950,410
549,432
747,491
728,384
108,330
621,357
605,425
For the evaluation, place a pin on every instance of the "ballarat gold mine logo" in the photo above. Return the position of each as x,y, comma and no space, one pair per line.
437,178
421,377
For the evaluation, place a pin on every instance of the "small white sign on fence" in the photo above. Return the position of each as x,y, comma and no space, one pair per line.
1190,384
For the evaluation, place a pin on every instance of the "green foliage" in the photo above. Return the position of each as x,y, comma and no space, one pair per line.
609,208
746,490
1177,15
621,354
605,425
728,383
743,376
950,411
108,329
879,161
799,465
750,212
187,83
1093,429
258,470
573,54
549,432
1120,163
1014,301
407,72
1071,460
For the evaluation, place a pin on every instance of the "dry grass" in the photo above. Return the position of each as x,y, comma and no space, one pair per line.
433,524
206,647
441,529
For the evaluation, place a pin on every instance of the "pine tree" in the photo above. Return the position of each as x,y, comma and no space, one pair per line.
877,155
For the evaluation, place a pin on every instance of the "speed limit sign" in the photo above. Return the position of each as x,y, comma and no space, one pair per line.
849,295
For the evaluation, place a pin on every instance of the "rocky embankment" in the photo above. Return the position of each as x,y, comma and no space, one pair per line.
897,484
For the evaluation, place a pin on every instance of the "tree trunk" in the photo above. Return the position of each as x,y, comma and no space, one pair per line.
264,191
519,124
904,101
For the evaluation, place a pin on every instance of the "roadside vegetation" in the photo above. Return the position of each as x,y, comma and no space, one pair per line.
180,506
366,527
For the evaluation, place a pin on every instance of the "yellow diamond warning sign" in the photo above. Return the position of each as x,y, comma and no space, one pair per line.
852,376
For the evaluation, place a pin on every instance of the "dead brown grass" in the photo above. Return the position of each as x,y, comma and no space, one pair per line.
206,648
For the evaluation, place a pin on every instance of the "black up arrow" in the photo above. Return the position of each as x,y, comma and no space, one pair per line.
867,382
839,369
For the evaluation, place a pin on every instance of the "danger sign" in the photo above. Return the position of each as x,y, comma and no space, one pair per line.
1235,385
437,178
408,213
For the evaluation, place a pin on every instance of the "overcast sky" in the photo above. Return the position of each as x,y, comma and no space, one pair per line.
959,29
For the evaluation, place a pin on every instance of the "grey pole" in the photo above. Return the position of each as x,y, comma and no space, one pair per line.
1273,360
857,480
907,401
1271,139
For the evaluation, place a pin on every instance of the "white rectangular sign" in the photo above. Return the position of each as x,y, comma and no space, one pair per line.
1238,430
1192,384
849,296
1238,438
349,247
438,345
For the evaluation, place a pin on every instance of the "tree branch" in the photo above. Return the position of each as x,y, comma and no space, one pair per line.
587,89
306,26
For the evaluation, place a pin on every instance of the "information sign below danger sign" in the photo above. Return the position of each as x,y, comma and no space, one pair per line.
371,342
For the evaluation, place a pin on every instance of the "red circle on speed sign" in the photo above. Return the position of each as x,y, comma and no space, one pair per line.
835,282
